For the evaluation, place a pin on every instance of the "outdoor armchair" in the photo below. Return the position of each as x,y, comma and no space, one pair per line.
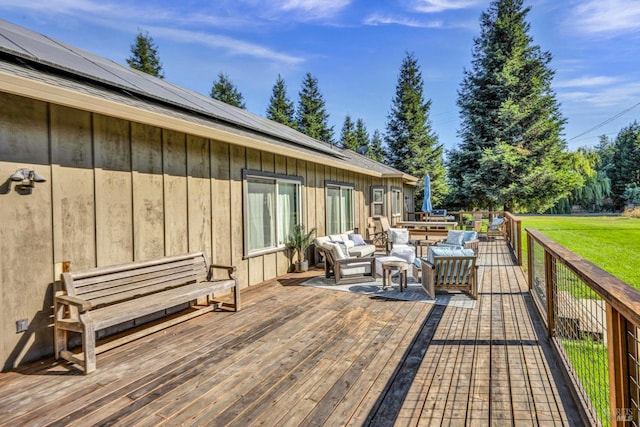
450,270
346,269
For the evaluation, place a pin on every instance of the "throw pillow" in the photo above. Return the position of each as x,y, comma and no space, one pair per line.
357,239
399,236
455,237
469,236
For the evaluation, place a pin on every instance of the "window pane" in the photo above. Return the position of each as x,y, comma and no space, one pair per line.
377,209
287,210
378,195
347,212
261,213
333,210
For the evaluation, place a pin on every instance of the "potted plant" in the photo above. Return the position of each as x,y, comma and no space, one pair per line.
299,241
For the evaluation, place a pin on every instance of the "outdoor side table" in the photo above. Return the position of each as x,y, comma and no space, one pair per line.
388,267
421,244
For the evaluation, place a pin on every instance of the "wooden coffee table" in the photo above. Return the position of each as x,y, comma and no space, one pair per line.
388,267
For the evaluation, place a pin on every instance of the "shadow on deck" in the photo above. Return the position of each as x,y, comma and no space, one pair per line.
297,355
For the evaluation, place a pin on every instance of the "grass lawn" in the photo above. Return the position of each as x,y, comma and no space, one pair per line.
611,243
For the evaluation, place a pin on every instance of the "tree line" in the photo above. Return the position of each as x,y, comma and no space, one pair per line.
512,155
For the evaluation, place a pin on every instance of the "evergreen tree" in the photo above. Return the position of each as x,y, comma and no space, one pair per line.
377,150
348,135
511,155
312,117
362,136
144,56
280,107
412,145
626,163
224,90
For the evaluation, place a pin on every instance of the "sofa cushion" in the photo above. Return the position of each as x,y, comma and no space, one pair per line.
321,240
336,250
357,240
435,251
362,251
455,237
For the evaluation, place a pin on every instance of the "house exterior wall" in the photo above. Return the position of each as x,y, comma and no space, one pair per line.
118,191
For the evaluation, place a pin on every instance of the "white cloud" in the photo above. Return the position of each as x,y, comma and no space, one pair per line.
603,97
314,8
587,81
606,16
435,6
233,46
390,20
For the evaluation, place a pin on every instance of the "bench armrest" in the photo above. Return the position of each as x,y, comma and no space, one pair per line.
231,270
79,303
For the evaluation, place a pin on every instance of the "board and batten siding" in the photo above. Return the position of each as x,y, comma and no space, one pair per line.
118,191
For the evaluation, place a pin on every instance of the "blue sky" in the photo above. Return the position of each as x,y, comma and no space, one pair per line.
355,48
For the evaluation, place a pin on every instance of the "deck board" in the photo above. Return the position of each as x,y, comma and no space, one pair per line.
297,355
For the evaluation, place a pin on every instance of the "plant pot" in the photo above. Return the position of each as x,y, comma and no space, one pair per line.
302,266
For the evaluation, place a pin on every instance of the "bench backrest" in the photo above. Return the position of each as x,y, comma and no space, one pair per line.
108,285
457,270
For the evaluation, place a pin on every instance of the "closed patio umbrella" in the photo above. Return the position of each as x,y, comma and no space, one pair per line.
426,203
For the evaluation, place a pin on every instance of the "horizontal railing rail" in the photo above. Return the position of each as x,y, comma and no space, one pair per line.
593,321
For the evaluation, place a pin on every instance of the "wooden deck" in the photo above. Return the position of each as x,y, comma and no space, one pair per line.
297,355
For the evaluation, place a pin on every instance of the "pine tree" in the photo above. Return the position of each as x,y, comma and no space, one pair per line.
224,90
144,56
312,117
511,155
362,137
377,150
280,107
626,162
412,145
348,135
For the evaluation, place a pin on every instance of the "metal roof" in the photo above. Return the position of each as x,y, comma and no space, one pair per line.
132,86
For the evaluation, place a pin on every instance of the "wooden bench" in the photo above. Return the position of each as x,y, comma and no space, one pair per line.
104,297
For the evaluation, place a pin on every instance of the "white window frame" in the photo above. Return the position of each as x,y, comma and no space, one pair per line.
378,190
397,202
345,224
277,179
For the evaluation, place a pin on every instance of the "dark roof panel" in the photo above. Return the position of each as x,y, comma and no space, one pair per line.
40,49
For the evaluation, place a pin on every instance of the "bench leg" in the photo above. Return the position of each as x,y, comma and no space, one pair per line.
60,336
89,347
236,296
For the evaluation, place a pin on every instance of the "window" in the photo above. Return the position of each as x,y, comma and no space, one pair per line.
396,201
377,200
272,208
339,208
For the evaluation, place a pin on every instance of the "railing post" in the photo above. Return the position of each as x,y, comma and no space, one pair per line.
549,267
618,369
519,240
530,261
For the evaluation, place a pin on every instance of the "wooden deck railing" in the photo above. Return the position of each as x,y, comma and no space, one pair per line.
593,321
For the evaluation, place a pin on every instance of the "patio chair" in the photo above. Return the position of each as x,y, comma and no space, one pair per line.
475,223
398,244
460,239
450,270
496,228
381,236
346,269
